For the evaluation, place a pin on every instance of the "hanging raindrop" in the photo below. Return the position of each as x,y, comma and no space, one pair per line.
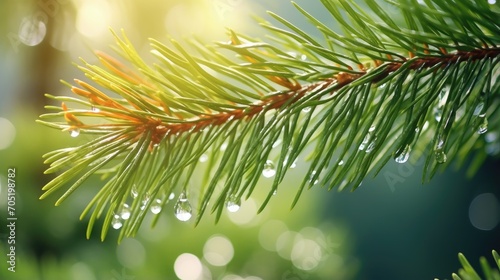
443,97
125,211
233,203
404,156
478,111
440,156
133,192
269,169
311,178
438,112
116,223
145,201
365,142
483,127
438,151
371,146
74,132
156,206
182,208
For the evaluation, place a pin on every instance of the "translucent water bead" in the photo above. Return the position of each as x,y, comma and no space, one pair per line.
116,223
439,153
74,132
404,156
156,206
483,126
182,208
125,211
269,169
233,203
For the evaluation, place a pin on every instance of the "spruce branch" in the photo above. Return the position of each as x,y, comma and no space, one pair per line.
377,91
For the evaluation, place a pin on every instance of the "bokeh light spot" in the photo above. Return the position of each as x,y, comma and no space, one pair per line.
93,18
8,133
269,233
286,242
218,250
306,254
484,211
246,214
81,271
32,31
131,253
188,267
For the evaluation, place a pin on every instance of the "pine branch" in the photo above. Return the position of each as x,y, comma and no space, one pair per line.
379,90
468,272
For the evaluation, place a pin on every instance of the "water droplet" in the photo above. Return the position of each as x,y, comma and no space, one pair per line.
233,204
478,111
306,109
294,164
145,200
341,162
303,57
371,146
311,178
203,158
404,156
156,206
74,132
182,209
94,109
125,211
365,142
440,156
438,109
483,127
438,112
171,196
133,192
275,192
116,223
440,143
372,128
269,169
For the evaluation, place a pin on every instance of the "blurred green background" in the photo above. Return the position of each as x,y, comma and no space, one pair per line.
387,229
